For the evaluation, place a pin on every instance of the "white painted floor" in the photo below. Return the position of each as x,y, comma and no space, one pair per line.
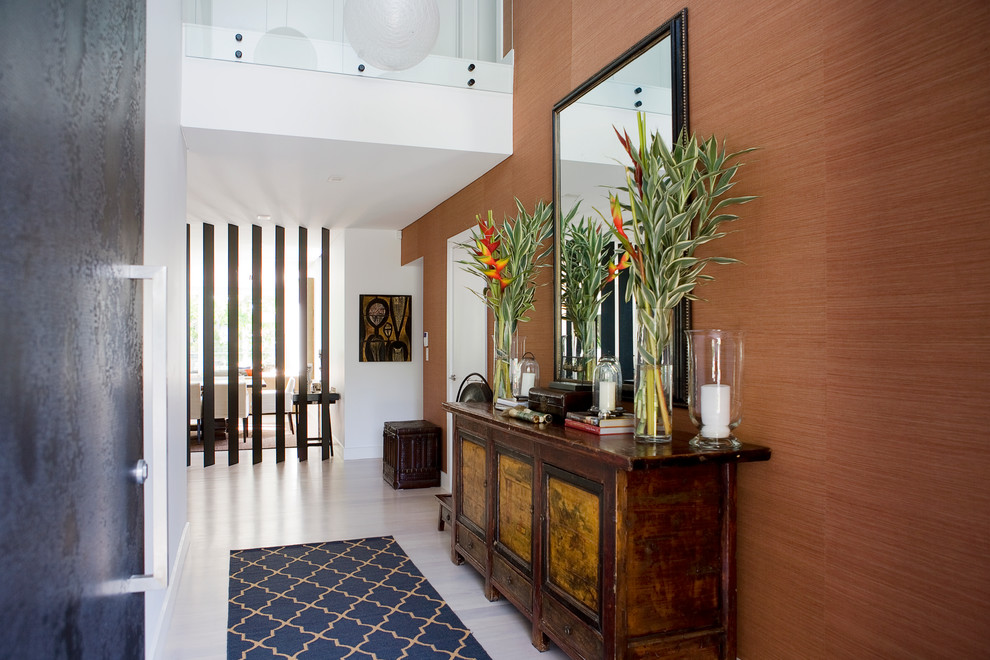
250,506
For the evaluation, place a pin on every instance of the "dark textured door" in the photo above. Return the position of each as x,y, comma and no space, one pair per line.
71,192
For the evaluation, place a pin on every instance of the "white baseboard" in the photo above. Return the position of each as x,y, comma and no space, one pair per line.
352,453
155,648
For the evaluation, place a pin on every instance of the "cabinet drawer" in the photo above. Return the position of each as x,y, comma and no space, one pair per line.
571,631
512,583
472,547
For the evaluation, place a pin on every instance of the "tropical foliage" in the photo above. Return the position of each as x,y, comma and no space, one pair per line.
507,258
677,201
585,272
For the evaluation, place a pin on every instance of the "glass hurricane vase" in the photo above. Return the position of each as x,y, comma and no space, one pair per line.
715,360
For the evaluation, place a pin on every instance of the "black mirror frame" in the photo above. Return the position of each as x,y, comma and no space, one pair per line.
676,28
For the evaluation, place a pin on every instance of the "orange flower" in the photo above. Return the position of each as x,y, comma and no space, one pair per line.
617,216
484,254
488,233
613,268
495,273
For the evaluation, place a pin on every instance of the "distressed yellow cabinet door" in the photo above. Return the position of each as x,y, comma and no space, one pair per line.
473,484
573,540
515,506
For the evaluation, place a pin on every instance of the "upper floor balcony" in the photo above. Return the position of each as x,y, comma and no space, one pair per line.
275,98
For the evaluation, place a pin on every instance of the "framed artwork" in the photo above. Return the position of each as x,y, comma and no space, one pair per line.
386,328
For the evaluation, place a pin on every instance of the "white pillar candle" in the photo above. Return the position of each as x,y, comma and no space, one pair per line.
606,397
715,411
528,383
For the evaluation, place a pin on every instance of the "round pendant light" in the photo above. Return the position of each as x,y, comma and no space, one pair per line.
392,35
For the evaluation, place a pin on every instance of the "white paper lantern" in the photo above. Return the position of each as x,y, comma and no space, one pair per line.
392,34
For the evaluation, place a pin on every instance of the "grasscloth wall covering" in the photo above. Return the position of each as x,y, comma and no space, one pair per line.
865,295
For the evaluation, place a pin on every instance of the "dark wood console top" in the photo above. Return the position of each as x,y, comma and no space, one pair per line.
621,451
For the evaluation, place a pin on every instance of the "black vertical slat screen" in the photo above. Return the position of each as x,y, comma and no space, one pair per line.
234,402
189,393
302,421
626,339
283,405
280,344
606,328
209,427
327,446
256,405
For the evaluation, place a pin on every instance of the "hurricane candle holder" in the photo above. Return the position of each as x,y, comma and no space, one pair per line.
606,386
715,360
529,374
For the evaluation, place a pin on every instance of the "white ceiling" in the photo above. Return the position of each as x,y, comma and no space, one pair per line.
233,177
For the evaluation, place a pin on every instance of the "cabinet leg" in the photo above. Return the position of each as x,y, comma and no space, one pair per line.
491,593
540,641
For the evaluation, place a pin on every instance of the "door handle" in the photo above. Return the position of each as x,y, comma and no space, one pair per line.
152,470
140,472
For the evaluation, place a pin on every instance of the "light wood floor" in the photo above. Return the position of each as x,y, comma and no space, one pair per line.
250,506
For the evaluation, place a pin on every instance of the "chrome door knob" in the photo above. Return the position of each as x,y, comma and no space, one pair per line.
140,472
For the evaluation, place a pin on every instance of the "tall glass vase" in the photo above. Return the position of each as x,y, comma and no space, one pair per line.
587,335
654,378
502,339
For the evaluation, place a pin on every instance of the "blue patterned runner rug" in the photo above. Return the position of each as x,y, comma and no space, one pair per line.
361,600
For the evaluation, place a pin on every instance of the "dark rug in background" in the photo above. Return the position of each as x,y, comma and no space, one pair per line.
245,444
363,599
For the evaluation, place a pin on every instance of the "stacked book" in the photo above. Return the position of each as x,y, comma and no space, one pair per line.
502,403
590,422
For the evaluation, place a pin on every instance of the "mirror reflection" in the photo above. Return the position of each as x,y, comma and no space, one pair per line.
594,318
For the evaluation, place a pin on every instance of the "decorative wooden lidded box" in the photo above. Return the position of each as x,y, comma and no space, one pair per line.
411,454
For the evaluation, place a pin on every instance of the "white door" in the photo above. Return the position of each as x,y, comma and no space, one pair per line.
467,330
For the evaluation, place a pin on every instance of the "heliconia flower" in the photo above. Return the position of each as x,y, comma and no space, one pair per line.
484,254
496,272
617,216
487,234
613,268
627,145
624,261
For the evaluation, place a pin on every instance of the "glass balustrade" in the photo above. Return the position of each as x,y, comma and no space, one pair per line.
472,49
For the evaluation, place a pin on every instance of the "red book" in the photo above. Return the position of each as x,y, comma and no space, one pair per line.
597,430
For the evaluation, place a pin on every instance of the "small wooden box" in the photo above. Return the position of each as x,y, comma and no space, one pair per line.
411,454
558,402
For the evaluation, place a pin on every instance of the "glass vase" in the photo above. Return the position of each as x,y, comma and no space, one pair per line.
587,336
715,359
653,380
501,380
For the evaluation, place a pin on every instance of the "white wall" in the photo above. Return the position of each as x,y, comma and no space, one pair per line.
165,245
367,261
225,96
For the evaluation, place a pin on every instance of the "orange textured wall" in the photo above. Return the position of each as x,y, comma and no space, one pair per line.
865,295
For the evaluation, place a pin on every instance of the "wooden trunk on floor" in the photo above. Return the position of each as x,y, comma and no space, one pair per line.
411,454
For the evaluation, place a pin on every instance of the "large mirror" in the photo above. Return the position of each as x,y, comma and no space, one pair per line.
589,162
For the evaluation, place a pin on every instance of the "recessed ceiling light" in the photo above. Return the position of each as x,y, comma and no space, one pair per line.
264,217
334,178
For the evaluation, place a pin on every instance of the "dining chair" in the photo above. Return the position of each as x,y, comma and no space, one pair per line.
269,394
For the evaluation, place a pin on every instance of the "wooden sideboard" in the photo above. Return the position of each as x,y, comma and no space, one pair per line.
611,548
